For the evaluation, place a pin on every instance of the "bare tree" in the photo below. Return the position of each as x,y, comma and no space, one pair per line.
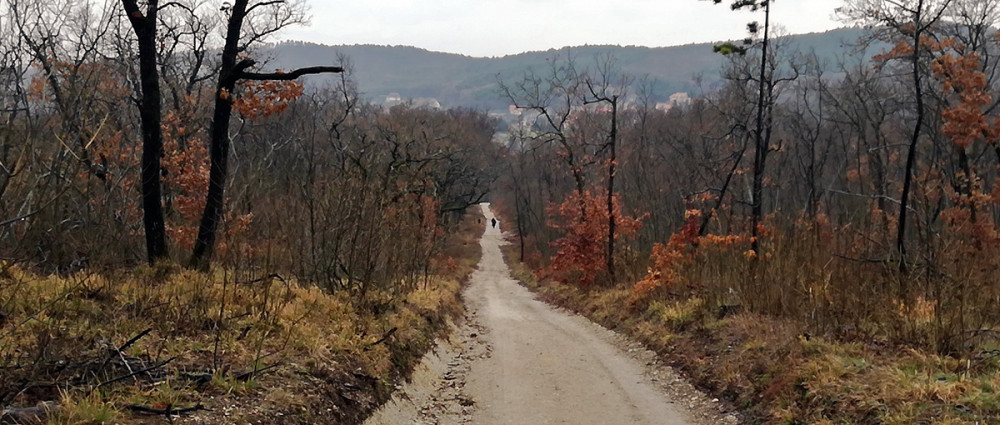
66,40
765,104
608,85
553,97
242,30
907,23
13,107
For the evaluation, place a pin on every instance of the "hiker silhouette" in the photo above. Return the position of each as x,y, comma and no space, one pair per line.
494,223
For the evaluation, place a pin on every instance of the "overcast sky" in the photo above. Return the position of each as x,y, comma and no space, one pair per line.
501,27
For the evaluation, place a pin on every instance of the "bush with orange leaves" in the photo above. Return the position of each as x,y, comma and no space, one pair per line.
667,258
581,252
186,165
670,258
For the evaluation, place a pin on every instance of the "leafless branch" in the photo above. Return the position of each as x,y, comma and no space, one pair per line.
288,76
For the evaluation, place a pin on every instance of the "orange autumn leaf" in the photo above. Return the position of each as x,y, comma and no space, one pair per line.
580,252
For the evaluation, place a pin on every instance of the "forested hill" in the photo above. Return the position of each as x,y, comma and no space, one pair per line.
457,80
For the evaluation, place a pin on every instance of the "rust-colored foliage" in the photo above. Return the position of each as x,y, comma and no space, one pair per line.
186,163
261,99
583,220
185,180
966,121
960,74
669,259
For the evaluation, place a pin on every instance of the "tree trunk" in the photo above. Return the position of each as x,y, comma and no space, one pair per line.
152,134
230,72
911,155
201,256
611,189
705,218
760,149
518,213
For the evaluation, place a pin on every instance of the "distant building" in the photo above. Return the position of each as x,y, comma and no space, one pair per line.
393,99
514,110
676,99
680,99
427,102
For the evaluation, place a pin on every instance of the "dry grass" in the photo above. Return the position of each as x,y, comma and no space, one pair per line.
779,370
232,342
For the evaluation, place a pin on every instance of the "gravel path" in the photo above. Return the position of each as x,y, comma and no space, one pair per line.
517,360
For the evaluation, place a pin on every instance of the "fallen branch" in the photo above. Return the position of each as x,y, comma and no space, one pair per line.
134,339
118,352
863,260
261,279
170,410
246,376
198,378
28,415
382,339
124,377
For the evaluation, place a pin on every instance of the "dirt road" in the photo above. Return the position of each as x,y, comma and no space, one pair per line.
516,360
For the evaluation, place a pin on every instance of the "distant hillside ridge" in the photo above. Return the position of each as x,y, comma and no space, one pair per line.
455,80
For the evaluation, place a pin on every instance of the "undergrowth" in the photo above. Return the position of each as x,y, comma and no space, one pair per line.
122,344
778,371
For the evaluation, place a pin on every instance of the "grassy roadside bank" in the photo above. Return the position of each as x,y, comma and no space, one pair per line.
145,345
777,373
